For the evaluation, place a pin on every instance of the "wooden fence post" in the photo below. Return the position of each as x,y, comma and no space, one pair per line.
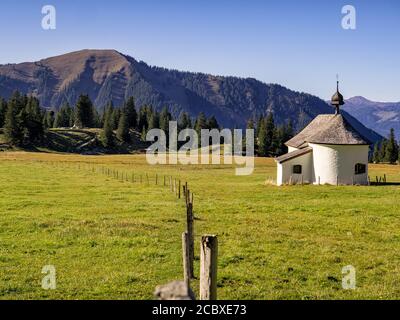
186,257
319,180
337,180
179,190
189,221
208,267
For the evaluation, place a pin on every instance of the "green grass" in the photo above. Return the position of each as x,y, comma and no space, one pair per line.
117,240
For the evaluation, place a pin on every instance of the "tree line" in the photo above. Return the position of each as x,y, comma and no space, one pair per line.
270,138
25,122
387,150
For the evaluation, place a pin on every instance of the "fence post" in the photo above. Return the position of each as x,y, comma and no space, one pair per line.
208,267
189,220
179,191
337,180
186,256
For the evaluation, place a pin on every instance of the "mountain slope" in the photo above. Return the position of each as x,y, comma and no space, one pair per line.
109,75
379,116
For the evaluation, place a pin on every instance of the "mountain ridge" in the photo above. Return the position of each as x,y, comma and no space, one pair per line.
379,116
108,75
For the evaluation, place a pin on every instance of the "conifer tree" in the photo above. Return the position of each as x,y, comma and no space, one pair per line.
262,140
130,111
270,130
13,127
123,128
201,123
32,120
84,113
184,121
48,119
376,156
392,149
106,135
3,111
154,122
63,117
212,123
165,118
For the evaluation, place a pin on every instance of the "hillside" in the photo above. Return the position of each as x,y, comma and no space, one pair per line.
84,141
109,75
379,116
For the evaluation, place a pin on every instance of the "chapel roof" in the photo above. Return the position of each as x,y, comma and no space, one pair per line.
293,154
328,129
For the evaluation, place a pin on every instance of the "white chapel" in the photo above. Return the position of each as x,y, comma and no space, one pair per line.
327,151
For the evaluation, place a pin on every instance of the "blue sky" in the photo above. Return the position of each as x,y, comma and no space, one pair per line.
296,43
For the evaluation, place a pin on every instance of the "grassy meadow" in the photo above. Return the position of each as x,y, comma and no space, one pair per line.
113,239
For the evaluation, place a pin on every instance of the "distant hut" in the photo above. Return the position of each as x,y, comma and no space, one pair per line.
328,151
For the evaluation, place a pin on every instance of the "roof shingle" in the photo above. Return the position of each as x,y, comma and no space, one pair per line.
328,129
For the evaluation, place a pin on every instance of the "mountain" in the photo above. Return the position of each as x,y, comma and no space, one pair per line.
109,75
379,116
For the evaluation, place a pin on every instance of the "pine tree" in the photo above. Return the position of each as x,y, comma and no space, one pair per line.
131,113
376,156
84,113
154,122
262,140
212,123
116,115
165,118
250,124
201,123
48,119
382,149
123,128
62,119
3,111
106,135
13,127
32,120
184,121
392,149
270,131
143,124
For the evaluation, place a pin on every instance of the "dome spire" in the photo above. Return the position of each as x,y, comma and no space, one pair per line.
337,98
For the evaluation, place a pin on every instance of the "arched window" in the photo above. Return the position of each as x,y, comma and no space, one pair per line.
297,169
360,168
